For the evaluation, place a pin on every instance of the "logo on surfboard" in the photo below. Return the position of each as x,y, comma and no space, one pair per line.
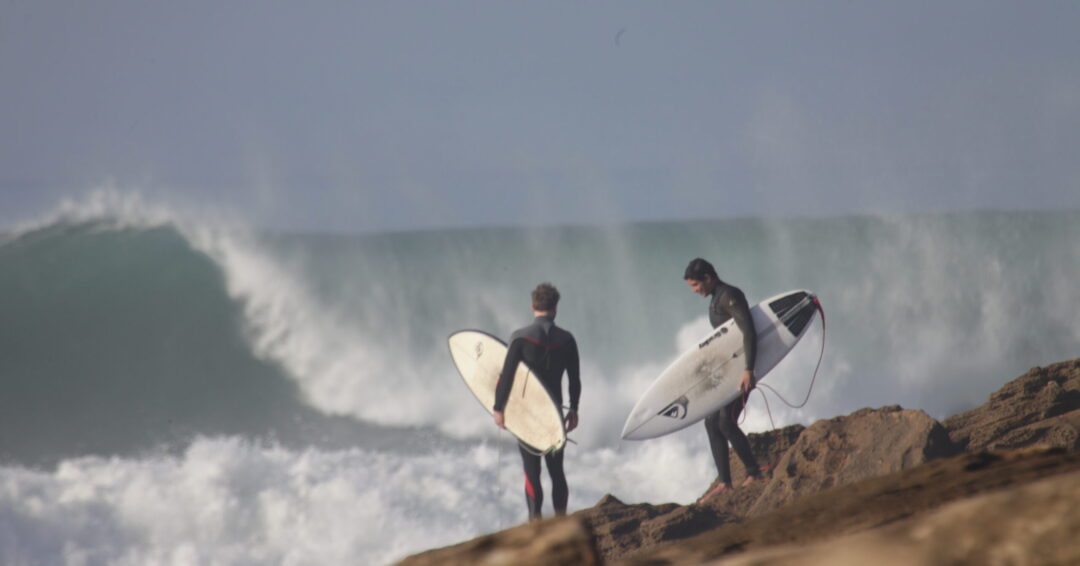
479,349
676,410
722,330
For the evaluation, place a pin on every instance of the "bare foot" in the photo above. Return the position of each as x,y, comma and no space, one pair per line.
760,473
720,488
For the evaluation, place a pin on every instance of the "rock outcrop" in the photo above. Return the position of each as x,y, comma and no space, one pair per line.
1039,408
562,540
622,529
865,444
1033,523
997,484
835,452
868,505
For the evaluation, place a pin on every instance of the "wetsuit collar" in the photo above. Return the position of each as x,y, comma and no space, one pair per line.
717,283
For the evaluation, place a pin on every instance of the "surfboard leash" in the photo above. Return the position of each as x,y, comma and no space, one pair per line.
567,413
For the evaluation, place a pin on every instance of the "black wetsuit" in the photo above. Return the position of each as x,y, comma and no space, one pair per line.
548,351
723,426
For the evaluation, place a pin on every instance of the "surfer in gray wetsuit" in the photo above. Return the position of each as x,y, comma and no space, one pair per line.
548,351
723,426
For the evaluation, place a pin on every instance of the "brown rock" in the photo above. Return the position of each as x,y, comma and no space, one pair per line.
620,529
1030,524
867,505
1039,408
804,461
683,522
768,447
562,540
886,481
842,450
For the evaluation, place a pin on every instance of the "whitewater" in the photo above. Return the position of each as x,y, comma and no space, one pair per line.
181,388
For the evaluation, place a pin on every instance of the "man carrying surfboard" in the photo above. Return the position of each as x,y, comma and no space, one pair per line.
548,351
722,426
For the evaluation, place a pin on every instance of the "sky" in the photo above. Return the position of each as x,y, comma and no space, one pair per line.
371,116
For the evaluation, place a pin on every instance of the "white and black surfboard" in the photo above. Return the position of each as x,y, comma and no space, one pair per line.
707,377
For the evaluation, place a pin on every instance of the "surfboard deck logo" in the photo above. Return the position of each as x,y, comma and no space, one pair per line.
676,410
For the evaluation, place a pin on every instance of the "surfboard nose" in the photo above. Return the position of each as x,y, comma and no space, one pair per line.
629,429
634,428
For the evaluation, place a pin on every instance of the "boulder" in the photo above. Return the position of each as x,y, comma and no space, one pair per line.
1030,524
768,447
816,520
842,450
620,529
561,540
1039,408
800,462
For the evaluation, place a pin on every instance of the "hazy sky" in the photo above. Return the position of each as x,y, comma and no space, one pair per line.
396,115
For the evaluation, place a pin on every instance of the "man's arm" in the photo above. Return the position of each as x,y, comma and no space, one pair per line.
739,309
573,372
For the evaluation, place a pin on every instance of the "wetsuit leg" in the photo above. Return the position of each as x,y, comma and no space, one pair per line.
729,428
560,493
534,492
719,445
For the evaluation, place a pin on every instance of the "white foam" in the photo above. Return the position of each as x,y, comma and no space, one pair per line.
226,501
115,208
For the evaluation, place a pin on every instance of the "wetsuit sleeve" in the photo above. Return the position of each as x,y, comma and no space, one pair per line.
506,377
739,309
573,372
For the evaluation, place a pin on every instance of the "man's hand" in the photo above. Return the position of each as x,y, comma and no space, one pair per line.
571,420
747,383
500,420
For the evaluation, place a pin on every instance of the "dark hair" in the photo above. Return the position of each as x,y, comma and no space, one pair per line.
545,297
698,269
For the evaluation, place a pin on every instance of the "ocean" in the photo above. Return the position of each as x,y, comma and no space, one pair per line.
180,388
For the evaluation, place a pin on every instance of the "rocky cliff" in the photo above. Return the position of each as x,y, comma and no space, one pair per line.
997,484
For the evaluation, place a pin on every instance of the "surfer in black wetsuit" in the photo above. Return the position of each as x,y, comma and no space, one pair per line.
548,351
723,426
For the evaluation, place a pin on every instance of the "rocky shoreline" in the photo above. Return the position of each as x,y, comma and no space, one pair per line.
997,484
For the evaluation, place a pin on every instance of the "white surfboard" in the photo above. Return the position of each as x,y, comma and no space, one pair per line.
530,414
707,377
